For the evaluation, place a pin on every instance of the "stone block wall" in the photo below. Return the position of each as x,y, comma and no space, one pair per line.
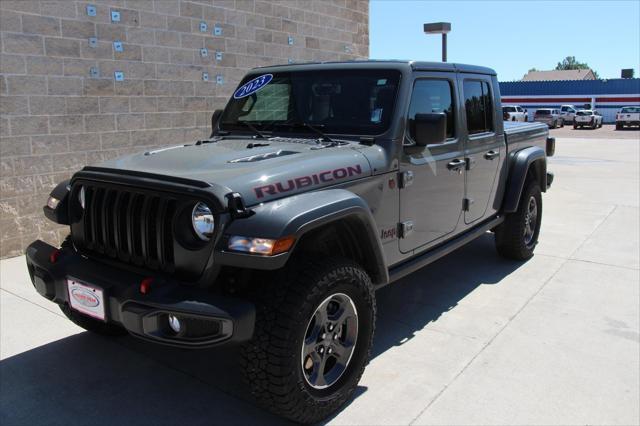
81,82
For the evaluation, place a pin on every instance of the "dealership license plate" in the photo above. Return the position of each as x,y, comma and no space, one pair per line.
86,299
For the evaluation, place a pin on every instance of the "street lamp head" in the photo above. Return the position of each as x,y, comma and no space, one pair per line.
437,28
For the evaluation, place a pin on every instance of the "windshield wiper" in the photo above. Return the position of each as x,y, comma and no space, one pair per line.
251,127
323,136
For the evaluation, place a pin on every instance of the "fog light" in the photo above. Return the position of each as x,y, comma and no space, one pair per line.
174,323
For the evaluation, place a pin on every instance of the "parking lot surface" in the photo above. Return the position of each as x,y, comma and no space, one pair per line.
471,339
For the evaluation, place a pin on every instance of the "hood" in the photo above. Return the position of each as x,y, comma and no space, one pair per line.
281,167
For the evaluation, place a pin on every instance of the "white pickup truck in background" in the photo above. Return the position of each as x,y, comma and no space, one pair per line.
568,113
514,113
628,116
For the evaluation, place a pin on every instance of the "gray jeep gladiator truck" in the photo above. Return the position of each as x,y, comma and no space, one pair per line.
319,184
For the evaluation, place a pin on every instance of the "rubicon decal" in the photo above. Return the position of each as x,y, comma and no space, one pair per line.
305,181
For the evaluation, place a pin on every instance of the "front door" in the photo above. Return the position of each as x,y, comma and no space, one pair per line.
484,149
431,200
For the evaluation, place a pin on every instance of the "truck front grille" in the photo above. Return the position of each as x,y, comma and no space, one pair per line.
130,226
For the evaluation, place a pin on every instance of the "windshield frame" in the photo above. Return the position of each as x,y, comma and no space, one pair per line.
298,126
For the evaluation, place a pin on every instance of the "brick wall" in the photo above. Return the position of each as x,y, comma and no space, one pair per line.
55,116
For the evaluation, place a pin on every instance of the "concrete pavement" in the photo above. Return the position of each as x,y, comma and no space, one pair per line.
472,339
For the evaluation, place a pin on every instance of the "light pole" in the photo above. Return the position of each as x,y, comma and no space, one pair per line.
439,28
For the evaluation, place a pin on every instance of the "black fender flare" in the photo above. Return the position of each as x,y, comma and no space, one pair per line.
521,162
296,216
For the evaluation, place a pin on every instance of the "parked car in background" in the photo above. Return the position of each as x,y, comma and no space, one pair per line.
514,113
568,113
628,116
549,116
587,117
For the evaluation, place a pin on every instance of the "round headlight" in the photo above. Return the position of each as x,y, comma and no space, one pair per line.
81,196
203,223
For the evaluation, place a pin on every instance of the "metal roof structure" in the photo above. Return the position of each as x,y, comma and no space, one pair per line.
583,74
614,86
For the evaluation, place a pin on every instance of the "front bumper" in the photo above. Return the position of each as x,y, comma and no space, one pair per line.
209,319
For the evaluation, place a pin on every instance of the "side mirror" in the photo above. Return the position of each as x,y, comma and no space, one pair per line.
525,111
215,118
430,128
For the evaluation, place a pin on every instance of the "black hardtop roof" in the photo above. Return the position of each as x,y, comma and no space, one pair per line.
378,64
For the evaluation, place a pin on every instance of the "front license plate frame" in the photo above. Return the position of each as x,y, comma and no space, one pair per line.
86,299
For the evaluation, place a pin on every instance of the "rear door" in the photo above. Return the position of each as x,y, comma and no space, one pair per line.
431,200
484,148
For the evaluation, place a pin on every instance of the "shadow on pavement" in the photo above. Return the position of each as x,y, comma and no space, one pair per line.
86,379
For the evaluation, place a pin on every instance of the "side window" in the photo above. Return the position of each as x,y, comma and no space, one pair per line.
432,96
479,106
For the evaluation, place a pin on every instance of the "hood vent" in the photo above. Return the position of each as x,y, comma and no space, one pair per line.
265,156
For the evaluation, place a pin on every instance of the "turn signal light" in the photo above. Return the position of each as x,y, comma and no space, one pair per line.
283,245
263,246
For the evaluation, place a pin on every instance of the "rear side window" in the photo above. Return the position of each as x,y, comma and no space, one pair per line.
543,112
509,109
432,96
479,107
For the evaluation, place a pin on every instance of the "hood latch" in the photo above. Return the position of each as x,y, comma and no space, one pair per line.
236,206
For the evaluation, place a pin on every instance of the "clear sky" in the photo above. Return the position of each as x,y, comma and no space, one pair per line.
511,36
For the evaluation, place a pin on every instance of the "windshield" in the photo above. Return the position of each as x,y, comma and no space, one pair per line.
509,109
630,109
355,102
543,112
583,113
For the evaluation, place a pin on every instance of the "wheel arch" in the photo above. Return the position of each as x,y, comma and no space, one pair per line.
321,222
528,162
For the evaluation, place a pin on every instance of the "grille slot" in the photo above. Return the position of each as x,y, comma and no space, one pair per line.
130,226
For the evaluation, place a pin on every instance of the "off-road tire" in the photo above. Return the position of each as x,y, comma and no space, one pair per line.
90,324
272,360
618,126
575,126
510,235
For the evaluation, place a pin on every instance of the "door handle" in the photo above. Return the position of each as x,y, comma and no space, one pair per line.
491,155
456,164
